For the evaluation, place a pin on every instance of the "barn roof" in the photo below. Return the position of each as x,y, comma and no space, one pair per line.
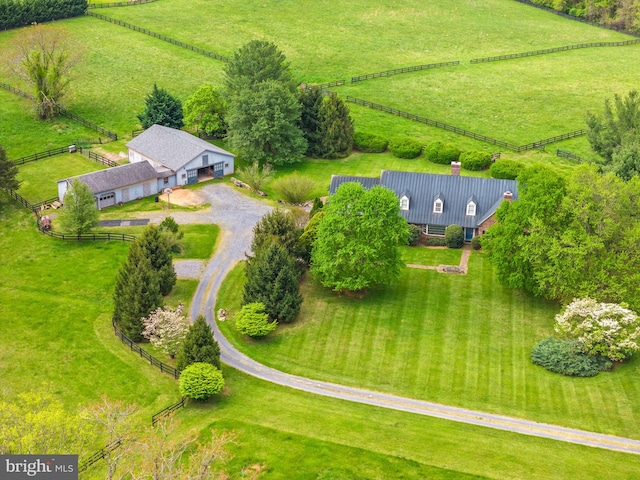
117,177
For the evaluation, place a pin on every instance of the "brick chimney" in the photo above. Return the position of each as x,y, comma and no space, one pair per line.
508,196
455,169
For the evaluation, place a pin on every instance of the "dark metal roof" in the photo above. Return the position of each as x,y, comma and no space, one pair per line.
366,182
118,177
170,147
454,191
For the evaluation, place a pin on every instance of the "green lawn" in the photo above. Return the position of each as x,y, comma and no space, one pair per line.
39,178
199,241
454,339
431,255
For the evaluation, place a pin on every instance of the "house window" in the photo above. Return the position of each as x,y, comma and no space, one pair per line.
205,160
166,180
226,165
437,206
184,175
404,203
471,209
434,230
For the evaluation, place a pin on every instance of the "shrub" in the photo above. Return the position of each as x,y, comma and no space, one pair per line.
474,160
404,147
506,169
16,13
415,232
200,381
256,176
369,142
317,206
476,243
294,188
454,236
435,242
441,153
252,321
565,357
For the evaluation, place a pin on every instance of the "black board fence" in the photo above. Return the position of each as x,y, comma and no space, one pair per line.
119,4
40,155
97,158
99,455
64,112
577,19
466,133
134,347
165,412
553,50
160,36
396,71
569,155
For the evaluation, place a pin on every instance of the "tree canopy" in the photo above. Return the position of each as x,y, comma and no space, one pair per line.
161,108
568,238
335,129
206,110
80,213
8,172
199,346
358,238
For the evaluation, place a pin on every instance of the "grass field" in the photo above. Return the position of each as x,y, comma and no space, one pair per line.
454,339
431,256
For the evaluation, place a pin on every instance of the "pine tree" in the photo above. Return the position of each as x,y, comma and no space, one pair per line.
137,293
277,226
199,346
157,248
80,213
317,206
336,128
161,108
8,172
311,101
272,281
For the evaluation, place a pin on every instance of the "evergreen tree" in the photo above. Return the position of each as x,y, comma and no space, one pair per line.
310,119
161,108
317,206
8,172
137,293
336,128
272,281
277,226
80,213
199,346
157,248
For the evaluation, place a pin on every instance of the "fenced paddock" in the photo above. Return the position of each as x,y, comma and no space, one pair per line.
397,71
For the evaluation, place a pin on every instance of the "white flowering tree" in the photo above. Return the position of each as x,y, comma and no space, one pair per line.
166,329
606,329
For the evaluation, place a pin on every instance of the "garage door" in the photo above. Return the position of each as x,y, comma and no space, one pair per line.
107,200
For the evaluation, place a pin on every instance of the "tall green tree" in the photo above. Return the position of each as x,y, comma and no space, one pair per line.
263,123
157,247
276,227
272,281
625,160
137,293
336,128
358,238
8,172
256,62
206,110
80,213
43,57
161,108
311,100
199,346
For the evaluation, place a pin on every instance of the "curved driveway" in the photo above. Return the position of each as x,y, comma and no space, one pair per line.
237,214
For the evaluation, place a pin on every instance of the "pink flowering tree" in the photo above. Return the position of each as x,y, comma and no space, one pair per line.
605,329
166,329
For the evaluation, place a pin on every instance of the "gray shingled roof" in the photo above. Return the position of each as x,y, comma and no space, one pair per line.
170,147
118,177
455,192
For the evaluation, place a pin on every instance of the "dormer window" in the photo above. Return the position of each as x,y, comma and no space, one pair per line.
471,209
404,203
437,206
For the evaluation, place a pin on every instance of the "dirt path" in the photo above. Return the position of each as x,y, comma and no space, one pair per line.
460,269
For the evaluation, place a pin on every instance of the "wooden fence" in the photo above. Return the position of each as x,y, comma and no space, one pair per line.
119,4
97,158
160,37
168,411
40,155
569,155
134,347
553,50
99,455
396,71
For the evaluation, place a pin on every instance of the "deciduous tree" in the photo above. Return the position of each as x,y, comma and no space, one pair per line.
161,108
8,172
166,329
199,346
358,238
252,320
43,56
201,381
206,110
80,213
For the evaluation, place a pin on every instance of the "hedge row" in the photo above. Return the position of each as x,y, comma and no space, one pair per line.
19,13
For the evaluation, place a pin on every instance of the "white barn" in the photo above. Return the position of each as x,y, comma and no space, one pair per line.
179,157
